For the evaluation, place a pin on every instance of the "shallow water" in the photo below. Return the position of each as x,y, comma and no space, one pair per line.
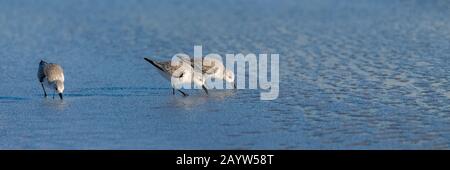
354,74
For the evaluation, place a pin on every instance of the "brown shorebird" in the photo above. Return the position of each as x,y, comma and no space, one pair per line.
212,68
178,75
51,76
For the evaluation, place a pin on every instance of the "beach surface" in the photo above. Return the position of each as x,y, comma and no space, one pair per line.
354,74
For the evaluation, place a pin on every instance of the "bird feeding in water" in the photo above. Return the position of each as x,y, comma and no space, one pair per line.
178,75
211,68
51,76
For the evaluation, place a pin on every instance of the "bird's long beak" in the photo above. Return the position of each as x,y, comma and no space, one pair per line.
60,96
204,88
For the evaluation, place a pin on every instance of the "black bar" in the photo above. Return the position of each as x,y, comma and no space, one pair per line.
289,158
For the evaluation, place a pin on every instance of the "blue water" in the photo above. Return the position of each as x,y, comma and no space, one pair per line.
354,74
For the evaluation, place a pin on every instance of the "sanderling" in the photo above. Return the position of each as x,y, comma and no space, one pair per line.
177,79
213,68
51,76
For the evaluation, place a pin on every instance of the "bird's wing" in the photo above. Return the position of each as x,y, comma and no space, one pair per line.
173,70
165,67
53,72
192,63
211,68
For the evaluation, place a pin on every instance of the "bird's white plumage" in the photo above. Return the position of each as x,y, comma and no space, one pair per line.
178,74
211,68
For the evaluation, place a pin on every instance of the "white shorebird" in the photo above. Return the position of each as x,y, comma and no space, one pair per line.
51,76
213,68
177,79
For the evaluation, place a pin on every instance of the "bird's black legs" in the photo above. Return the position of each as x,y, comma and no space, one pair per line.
184,94
45,93
204,88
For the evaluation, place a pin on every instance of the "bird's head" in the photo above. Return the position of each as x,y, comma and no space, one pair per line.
42,62
59,87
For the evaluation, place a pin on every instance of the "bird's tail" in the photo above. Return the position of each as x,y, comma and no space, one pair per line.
154,63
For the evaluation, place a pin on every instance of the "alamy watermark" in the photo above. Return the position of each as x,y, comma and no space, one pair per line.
214,73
